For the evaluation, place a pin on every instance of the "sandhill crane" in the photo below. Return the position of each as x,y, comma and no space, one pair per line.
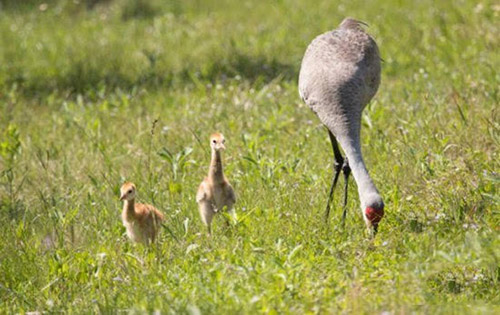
215,193
339,75
142,221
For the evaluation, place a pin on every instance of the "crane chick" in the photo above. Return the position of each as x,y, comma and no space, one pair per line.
215,193
142,221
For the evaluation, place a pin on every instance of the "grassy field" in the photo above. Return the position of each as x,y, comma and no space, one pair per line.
95,93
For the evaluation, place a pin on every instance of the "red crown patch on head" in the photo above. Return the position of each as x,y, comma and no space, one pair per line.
374,215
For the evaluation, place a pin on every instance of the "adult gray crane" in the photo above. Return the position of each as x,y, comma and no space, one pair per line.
339,75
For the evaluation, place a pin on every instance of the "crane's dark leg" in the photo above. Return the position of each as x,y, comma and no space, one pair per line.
338,163
347,171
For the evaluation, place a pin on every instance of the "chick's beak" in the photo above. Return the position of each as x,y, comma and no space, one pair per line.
122,197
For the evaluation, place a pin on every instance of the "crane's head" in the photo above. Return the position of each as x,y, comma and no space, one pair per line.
373,213
217,141
127,191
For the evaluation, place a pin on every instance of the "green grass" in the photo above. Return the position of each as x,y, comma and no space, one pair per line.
82,85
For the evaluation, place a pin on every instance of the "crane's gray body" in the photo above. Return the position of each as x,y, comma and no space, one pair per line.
339,75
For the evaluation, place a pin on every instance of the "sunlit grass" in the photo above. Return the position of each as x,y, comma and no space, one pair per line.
80,89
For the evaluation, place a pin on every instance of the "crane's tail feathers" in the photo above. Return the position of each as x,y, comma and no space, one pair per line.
350,23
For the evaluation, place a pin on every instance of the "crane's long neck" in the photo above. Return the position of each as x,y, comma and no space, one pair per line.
368,193
128,209
216,173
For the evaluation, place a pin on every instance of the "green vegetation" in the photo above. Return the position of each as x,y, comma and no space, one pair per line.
82,83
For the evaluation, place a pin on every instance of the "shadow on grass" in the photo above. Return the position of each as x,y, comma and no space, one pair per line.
83,77
34,5
249,68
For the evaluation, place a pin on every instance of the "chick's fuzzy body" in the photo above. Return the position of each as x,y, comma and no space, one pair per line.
219,194
142,221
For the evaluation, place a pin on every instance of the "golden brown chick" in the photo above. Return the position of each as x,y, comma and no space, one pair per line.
142,221
215,193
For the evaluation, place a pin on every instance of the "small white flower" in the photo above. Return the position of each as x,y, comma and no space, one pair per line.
191,248
439,216
478,276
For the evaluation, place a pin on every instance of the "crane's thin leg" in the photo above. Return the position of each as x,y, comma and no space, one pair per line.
347,171
338,163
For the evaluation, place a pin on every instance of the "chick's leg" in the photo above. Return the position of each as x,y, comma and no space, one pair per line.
207,213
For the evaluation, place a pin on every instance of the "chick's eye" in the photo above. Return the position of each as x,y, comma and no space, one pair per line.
224,141
130,191
214,141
